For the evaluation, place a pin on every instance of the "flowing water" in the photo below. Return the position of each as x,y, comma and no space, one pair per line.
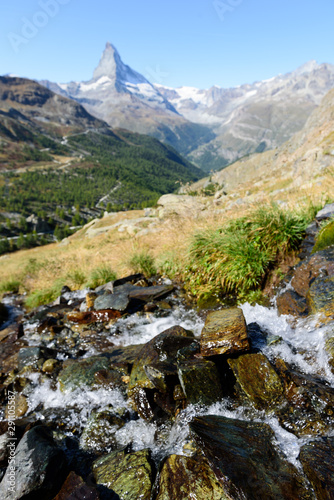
301,344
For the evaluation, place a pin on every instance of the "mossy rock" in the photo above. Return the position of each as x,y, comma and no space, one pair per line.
183,478
82,372
258,380
325,237
320,297
130,475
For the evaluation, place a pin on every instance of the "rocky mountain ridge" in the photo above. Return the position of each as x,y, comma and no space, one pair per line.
214,127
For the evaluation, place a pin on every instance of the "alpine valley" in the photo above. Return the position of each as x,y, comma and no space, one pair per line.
212,127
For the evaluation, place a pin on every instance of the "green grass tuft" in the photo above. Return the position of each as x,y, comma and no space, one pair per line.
235,259
10,286
100,276
143,262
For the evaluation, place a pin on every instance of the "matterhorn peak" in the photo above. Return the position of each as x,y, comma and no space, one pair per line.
112,66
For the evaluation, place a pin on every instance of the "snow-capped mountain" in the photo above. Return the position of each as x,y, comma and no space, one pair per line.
212,126
124,98
253,117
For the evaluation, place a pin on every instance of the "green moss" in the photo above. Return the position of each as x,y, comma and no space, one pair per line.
325,237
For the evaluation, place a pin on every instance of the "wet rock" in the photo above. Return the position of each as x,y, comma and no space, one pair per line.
200,381
258,380
224,332
320,297
124,356
40,467
150,293
320,264
129,476
3,313
182,478
88,317
317,460
90,299
75,488
245,460
100,429
116,301
329,347
160,353
133,278
310,403
50,365
17,407
81,372
290,302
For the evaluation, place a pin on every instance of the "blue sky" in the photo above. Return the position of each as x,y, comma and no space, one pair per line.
198,43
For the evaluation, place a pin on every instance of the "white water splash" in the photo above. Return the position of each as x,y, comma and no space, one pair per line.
303,342
139,329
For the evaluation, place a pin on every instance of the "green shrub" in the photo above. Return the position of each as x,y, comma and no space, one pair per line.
143,262
100,276
235,259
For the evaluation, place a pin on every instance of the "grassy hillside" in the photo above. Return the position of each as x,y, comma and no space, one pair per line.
58,162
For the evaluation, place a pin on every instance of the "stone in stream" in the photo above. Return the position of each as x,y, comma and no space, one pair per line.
290,302
156,361
130,476
100,429
116,301
258,380
3,313
82,372
245,460
88,317
183,478
317,265
224,332
150,293
329,347
320,296
40,467
75,488
310,403
200,381
317,461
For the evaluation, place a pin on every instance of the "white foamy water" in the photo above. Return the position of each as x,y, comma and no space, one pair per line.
139,329
302,345
303,342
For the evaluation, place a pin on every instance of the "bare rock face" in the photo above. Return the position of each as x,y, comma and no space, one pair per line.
224,332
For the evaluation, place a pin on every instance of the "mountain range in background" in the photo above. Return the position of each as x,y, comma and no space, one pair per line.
212,127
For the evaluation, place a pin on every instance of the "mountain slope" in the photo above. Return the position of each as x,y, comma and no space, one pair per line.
124,98
253,118
213,127
54,154
300,167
